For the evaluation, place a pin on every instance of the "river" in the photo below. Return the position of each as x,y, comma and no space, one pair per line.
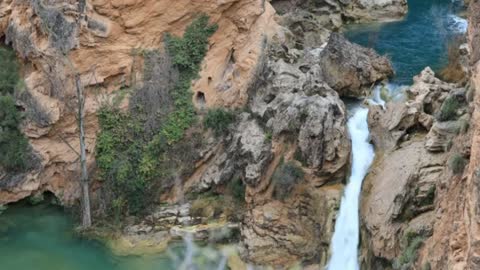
41,237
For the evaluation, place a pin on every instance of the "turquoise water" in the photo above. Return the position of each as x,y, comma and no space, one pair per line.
41,238
417,41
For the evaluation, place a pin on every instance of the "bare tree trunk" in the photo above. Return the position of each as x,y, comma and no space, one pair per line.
86,216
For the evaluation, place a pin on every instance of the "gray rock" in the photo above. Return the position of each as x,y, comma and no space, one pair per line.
439,138
351,69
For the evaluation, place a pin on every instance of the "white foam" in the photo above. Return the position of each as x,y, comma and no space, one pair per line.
346,236
457,24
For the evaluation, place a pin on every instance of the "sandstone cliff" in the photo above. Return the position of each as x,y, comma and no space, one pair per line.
101,41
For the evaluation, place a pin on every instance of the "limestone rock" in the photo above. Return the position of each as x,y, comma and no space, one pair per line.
424,102
351,69
101,40
307,121
400,186
383,10
439,138
347,10
406,185
279,233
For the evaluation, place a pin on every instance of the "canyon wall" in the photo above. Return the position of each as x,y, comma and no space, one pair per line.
420,203
289,145
103,41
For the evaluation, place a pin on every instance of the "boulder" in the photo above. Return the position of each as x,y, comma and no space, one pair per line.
351,69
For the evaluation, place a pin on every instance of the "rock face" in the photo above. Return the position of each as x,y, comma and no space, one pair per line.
351,69
311,21
426,97
405,193
454,244
336,11
100,40
290,147
307,123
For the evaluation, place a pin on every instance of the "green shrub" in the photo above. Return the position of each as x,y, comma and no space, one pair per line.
457,163
14,147
268,136
412,242
208,206
286,176
119,149
449,108
430,198
218,120
426,266
8,72
464,125
236,188
13,144
187,53
128,160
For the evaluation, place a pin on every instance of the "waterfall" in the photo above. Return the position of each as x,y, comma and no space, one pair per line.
345,239
457,24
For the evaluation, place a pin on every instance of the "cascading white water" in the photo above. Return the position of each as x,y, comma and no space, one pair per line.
346,236
457,24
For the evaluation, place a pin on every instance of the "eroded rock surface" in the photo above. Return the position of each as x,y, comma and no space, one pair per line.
350,69
101,40
404,194
338,11
293,127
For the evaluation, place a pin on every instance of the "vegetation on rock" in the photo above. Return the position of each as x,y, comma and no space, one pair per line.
449,108
14,147
286,176
130,161
412,242
218,120
9,72
457,163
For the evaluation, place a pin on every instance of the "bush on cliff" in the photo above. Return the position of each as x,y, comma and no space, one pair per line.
412,242
449,108
218,120
457,163
286,176
130,161
13,144
8,72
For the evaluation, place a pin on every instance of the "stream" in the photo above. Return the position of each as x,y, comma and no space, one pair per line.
41,237
419,40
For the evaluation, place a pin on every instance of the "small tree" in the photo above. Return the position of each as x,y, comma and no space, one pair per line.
82,153
84,182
